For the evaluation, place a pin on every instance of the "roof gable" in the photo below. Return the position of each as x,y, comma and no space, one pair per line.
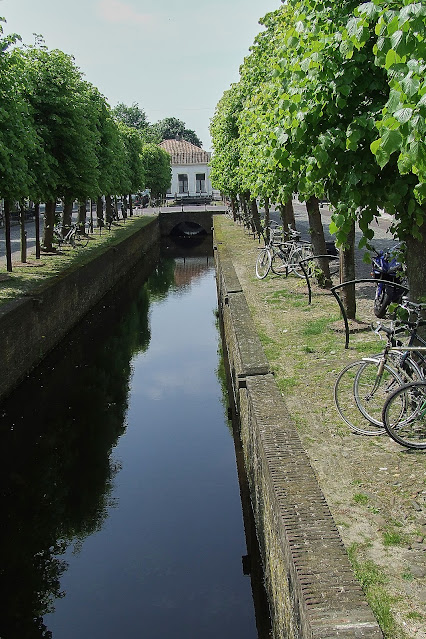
183,152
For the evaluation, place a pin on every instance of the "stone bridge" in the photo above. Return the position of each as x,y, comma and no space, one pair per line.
187,222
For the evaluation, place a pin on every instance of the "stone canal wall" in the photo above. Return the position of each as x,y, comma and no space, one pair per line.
31,326
311,589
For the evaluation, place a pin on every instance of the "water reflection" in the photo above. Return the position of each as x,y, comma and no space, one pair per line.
57,432
118,478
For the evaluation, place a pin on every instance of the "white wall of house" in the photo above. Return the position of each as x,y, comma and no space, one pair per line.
193,185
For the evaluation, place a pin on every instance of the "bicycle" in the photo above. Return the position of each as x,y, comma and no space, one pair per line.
404,415
75,237
362,387
282,256
264,258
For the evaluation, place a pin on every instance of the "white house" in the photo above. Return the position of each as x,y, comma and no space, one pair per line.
190,171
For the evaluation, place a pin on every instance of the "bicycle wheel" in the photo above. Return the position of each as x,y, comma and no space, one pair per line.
404,415
300,253
346,404
263,263
293,262
279,263
373,384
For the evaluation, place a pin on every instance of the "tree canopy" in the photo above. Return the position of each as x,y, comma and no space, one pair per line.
332,103
157,169
171,128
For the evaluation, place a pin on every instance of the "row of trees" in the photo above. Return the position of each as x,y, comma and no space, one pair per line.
331,102
166,129
59,138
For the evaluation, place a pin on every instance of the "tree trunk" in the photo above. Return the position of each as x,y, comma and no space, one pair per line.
234,207
318,240
7,235
100,213
108,209
289,213
49,223
244,206
124,206
90,225
130,205
82,212
416,265
347,273
23,233
255,217
287,217
267,219
66,216
37,228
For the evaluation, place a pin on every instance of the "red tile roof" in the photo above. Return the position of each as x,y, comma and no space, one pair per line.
184,152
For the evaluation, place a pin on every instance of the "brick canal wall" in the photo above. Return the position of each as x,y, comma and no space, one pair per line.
310,585
31,326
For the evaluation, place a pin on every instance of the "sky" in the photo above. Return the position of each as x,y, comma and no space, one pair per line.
174,58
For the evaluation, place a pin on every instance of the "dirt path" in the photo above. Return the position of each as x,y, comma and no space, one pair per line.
376,490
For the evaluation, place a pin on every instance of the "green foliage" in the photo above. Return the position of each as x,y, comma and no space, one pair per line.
132,173
171,128
132,116
225,133
59,101
19,142
156,168
58,135
331,100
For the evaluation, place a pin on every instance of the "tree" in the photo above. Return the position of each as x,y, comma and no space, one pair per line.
224,130
394,36
134,173
60,104
19,143
156,168
171,128
132,116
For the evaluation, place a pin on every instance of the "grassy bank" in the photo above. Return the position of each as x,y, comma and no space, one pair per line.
26,277
375,489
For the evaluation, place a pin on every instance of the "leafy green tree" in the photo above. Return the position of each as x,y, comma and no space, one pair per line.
134,176
19,143
157,169
171,128
60,105
326,108
132,116
394,36
224,129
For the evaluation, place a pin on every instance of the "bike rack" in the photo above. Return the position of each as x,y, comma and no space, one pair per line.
340,303
309,259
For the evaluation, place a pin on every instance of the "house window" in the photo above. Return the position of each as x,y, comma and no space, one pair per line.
200,182
183,183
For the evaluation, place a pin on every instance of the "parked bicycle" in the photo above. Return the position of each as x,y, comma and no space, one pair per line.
282,256
75,236
404,415
362,387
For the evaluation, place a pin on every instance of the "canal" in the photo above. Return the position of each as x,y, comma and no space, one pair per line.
119,488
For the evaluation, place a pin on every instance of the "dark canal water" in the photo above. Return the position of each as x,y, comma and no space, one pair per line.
119,492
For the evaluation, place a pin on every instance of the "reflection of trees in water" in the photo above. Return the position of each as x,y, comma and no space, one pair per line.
57,432
161,279
221,374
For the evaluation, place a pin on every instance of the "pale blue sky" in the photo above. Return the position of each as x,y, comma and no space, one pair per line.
172,57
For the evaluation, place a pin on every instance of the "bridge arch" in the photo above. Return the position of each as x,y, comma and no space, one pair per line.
186,223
